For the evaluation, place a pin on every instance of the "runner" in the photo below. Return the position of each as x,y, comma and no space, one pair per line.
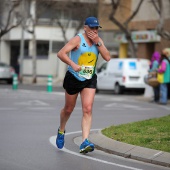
81,78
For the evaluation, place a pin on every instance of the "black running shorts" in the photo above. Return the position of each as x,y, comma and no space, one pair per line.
73,86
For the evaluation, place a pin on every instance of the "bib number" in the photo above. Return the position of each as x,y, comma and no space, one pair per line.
86,72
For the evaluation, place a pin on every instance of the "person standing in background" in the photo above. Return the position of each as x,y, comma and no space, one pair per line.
166,51
17,69
153,68
164,78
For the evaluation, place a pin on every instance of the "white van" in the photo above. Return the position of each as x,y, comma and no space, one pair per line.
120,74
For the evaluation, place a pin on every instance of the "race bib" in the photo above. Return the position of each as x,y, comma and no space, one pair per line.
86,72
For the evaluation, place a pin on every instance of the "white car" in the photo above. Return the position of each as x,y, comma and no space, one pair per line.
6,72
121,74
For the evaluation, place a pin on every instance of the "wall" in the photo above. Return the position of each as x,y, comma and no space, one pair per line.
148,19
42,33
105,9
52,65
147,11
5,52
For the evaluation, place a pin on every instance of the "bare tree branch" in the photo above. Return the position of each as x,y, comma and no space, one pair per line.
124,26
155,4
161,21
75,10
3,32
10,13
62,29
134,13
115,5
160,27
9,25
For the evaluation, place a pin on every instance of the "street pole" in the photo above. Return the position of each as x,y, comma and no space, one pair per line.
0,48
22,43
34,47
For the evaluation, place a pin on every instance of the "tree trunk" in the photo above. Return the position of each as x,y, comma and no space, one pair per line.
34,58
0,48
132,48
21,59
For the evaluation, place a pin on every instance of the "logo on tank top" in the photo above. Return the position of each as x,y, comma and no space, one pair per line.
84,45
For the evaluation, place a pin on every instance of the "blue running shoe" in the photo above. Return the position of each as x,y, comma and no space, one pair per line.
60,139
86,147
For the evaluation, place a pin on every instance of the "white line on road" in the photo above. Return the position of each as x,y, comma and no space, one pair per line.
155,155
32,103
8,108
110,105
41,108
125,106
52,140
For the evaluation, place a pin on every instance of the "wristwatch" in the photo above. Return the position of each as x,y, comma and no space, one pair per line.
99,44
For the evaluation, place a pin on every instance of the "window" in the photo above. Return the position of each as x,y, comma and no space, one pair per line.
56,46
42,49
48,13
132,65
102,68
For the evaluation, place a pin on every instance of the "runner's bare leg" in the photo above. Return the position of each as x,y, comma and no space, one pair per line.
70,102
87,98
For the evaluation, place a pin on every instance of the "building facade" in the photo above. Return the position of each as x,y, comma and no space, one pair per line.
142,26
49,35
48,22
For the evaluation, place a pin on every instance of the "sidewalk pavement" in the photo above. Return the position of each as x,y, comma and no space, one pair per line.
129,151
148,99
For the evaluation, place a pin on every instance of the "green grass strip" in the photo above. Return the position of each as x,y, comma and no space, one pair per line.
152,133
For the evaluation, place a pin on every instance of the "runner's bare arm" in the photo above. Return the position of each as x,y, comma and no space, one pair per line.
63,53
102,49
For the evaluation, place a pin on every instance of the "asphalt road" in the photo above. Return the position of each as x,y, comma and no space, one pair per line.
29,118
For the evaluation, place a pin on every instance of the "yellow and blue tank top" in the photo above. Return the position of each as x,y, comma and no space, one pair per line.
86,56
165,76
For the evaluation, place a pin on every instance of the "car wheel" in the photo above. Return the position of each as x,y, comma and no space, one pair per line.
118,89
97,90
9,81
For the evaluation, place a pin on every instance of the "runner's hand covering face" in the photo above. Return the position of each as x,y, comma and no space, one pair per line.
93,36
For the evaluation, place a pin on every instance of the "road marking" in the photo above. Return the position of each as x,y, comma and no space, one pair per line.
155,155
125,106
5,108
52,140
165,107
41,108
33,103
110,105
40,92
158,153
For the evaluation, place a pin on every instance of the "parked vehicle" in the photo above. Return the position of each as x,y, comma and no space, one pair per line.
6,72
121,74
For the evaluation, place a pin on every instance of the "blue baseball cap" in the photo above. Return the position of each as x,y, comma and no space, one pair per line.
92,22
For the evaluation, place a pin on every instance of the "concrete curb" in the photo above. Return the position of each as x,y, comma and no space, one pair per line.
129,151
